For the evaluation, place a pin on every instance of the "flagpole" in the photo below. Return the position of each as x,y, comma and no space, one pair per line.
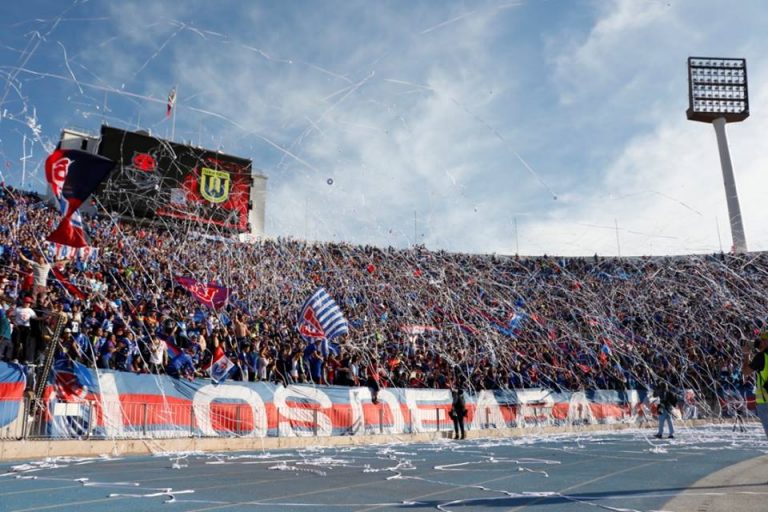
517,243
104,110
719,240
173,112
23,161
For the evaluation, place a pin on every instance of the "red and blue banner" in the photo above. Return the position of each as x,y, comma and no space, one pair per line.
111,404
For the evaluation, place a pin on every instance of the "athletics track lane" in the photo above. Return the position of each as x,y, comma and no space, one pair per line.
624,470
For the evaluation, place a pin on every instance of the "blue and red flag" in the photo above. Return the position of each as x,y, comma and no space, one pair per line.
212,295
72,380
321,318
73,290
73,176
13,380
173,350
220,366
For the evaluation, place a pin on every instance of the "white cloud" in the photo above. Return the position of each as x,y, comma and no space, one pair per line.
419,111
663,187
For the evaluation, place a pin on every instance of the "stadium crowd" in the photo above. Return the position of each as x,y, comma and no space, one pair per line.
418,318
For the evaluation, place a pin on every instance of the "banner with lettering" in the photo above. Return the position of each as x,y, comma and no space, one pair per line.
125,405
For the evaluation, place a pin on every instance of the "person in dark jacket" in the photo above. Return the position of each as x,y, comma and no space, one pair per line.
458,412
667,402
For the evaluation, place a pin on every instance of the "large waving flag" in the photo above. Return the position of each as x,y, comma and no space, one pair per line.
321,318
212,295
73,176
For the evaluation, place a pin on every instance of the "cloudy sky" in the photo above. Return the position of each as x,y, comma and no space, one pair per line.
529,126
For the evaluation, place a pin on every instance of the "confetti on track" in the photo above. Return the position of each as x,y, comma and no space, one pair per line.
627,471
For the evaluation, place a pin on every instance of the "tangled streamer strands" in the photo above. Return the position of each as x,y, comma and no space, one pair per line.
417,317
423,318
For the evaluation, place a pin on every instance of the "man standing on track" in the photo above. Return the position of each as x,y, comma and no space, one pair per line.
458,412
667,402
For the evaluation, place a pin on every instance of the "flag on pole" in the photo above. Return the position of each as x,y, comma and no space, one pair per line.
220,366
321,317
171,102
73,176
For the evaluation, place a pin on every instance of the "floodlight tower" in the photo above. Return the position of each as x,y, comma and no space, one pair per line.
717,94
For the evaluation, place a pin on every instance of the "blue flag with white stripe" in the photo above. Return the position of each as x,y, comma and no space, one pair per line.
321,318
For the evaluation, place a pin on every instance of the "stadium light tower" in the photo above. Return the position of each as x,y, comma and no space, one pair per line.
717,94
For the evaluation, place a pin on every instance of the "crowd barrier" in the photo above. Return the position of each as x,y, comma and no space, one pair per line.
85,404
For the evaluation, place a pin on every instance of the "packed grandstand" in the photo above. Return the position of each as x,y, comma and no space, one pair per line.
417,318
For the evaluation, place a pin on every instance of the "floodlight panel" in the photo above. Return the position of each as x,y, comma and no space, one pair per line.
717,87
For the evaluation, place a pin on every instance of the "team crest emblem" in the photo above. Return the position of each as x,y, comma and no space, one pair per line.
310,326
214,185
58,174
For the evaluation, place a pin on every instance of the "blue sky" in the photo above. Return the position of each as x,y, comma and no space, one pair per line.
530,126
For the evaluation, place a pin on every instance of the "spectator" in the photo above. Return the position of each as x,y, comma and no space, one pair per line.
40,269
158,355
458,412
249,361
263,364
182,366
6,345
561,323
667,402
107,352
759,365
25,345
